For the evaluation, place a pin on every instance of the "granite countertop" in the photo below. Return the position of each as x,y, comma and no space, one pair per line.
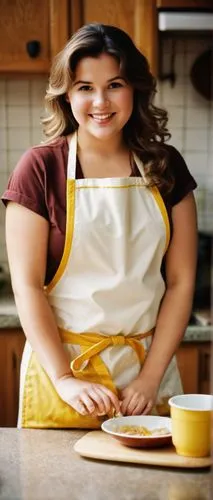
9,319
42,465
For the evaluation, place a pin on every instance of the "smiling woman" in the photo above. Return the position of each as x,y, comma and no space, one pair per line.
101,239
101,100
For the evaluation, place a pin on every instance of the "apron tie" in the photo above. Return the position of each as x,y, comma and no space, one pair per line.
93,343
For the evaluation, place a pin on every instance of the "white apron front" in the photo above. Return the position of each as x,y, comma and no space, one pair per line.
109,280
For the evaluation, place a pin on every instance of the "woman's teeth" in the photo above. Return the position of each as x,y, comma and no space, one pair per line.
102,117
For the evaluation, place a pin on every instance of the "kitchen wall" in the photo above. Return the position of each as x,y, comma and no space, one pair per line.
190,122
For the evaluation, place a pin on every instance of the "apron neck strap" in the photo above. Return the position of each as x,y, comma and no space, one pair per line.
71,167
140,166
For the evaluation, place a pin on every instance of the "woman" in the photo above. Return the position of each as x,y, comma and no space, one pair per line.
101,239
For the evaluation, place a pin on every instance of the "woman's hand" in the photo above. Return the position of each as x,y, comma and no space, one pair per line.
138,397
85,397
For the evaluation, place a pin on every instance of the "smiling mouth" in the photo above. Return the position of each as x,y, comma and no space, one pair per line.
102,118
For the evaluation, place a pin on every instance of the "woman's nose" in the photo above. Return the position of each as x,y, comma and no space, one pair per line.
101,100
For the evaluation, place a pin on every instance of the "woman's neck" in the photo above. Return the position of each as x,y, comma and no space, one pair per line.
105,148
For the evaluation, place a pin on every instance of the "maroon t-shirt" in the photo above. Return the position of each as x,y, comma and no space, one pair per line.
39,183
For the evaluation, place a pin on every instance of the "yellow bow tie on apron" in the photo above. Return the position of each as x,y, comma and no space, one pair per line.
91,344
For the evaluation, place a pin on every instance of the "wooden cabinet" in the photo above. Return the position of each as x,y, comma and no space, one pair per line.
31,33
194,362
11,348
137,17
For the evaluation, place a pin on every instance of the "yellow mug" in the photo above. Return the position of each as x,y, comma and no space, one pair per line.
191,424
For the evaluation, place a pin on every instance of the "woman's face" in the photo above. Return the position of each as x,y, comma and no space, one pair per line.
101,99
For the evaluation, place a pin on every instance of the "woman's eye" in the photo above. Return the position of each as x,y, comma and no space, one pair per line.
115,85
85,88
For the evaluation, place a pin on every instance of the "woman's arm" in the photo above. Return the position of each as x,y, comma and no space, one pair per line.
27,236
175,308
27,239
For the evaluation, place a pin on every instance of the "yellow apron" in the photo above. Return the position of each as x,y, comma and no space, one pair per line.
105,295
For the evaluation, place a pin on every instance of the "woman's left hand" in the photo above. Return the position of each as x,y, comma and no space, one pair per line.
138,397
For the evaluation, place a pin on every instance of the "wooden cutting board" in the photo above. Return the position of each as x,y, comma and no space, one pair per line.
99,445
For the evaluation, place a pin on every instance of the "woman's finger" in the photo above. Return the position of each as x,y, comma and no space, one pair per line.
106,401
113,398
96,396
148,408
132,404
87,402
80,408
125,404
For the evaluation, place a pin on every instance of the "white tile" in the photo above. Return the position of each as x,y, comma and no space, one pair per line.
176,116
2,216
3,253
18,115
17,92
210,181
173,96
37,136
13,158
3,181
2,92
36,115
3,139
197,118
3,161
209,200
3,121
18,139
38,90
190,58
176,139
197,164
210,162
194,99
210,139
196,139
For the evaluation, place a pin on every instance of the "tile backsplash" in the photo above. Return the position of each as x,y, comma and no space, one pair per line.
190,123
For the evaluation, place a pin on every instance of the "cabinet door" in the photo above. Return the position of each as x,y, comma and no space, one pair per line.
137,17
31,32
194,362
11,348
188,364
204,368
187,4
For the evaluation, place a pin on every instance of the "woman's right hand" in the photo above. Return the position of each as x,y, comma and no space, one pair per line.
85,397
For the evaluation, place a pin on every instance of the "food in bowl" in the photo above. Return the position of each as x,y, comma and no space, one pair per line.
136,430
140,431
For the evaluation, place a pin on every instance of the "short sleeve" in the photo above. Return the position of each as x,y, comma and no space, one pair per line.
184,182
26,185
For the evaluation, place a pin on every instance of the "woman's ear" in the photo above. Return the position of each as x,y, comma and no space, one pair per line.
67,98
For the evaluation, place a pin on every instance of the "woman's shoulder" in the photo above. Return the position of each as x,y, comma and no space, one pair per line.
45,152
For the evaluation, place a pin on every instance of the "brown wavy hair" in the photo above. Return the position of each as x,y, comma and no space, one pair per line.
145,132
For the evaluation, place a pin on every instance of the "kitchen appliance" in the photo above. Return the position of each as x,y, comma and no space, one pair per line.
177,20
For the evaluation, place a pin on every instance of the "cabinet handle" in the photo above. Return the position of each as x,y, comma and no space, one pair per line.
33,48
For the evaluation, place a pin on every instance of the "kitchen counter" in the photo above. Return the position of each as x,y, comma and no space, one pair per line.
9,319
42,465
